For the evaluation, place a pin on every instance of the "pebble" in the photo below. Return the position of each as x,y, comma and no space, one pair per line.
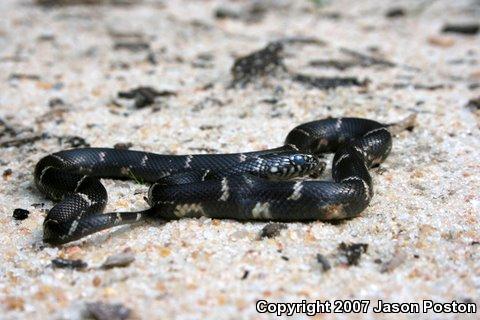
272,230
20,214
323,262
7,173
119,260
107,311
395,13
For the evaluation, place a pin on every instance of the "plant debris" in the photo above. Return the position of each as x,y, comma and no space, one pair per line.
331,63
107,311
464,28
18,142
353,252
253,13
123,259
20,214
134,46
130,41
51,3
408,124
328,82
396,12
73,141
24,76
17,136
6,129
366,60
419,86
258,64
323,262
144,96
272,230
301,40
68,264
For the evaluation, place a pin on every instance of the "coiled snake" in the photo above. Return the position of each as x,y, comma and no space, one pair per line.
243,186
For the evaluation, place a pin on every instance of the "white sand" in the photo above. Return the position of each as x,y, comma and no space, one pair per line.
419,227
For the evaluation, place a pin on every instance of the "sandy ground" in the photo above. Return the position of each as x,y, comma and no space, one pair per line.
62,68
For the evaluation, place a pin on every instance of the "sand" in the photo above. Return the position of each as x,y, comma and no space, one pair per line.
421,228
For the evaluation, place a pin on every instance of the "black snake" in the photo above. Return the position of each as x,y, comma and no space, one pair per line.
243,186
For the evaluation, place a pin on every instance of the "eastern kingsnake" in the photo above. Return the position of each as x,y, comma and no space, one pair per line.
242,186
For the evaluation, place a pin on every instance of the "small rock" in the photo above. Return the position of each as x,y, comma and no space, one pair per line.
393,263
13,303
323,262
68,264
119,260
238,235
107,311
20,214
97,281
395,13
7,174
55,102
353,251
475,75
443,42
226,13
474,104
151,58
245,274
123,146
272,230
474,86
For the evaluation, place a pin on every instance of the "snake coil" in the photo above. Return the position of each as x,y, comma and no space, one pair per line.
243,186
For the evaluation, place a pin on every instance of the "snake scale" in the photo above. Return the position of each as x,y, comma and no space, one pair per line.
257,185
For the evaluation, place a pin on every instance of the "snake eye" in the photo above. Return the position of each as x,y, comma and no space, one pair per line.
299,160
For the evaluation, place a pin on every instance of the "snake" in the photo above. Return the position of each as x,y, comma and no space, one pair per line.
278,184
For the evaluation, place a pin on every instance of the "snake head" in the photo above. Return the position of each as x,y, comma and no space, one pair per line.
293,165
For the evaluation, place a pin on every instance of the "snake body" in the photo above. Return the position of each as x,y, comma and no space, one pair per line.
243,186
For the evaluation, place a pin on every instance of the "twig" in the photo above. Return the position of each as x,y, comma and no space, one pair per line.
406,124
